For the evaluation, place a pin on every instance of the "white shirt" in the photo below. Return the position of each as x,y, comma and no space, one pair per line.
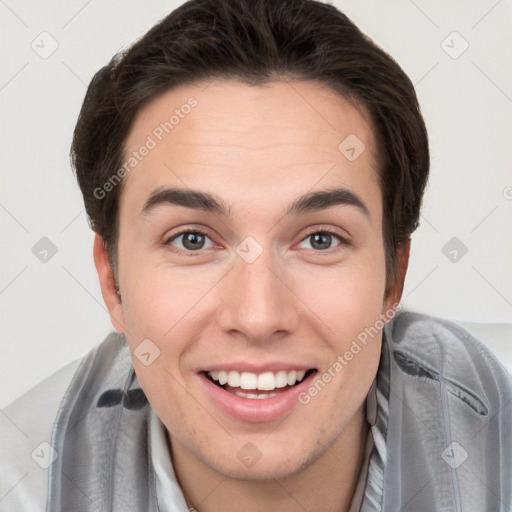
25,450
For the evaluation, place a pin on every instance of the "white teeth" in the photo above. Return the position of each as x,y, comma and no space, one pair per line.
248,380
255,396
291,378
267,381
281,379
234,379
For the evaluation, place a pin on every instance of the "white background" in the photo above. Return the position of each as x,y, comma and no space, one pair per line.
52,313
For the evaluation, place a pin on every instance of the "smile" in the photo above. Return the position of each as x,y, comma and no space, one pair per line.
234,381
256,397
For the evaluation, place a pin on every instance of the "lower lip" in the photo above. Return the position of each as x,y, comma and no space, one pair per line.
255,410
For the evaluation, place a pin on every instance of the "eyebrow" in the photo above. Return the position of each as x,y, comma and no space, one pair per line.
196,199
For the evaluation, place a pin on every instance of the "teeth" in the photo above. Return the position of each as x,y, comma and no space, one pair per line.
234,379
291,377
267,381
255,396
281,379
248,380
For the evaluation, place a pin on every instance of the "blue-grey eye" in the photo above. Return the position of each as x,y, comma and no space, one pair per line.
190,240
322,240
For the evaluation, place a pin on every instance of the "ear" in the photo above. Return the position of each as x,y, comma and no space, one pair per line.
395,293
108,284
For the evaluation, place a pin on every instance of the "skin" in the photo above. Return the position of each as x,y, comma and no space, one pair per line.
258,148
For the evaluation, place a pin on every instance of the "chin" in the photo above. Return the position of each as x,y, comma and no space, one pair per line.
264,459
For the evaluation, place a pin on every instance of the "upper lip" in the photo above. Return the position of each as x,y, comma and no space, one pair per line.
244,366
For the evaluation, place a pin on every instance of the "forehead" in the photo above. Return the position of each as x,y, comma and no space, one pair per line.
281,137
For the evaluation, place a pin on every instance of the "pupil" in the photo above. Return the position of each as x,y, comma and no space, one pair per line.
193,240
323,240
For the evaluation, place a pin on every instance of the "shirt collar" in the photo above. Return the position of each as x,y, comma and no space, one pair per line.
169,494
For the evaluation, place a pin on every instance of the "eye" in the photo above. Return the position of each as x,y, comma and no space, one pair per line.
321,240
191,241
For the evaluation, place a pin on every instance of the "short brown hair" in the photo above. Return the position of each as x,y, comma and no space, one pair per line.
255,41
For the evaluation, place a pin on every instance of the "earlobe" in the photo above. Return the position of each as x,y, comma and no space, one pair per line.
108,284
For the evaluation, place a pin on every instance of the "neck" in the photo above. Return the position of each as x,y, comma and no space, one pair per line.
326,485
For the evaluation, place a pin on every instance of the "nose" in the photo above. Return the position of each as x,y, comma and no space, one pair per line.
258,301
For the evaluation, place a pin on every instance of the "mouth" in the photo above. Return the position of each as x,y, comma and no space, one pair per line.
257,386
256,397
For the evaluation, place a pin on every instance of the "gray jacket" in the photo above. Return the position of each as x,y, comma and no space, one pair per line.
441,431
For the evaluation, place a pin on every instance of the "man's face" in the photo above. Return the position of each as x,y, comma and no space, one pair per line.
263,293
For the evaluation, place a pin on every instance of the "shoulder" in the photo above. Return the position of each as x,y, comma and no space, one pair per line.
26,427
449,428
446,348
25,437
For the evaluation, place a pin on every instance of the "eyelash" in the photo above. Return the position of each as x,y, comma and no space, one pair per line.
328,231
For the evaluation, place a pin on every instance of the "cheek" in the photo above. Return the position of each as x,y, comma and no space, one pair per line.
347,298
162,300
349,302
172,308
